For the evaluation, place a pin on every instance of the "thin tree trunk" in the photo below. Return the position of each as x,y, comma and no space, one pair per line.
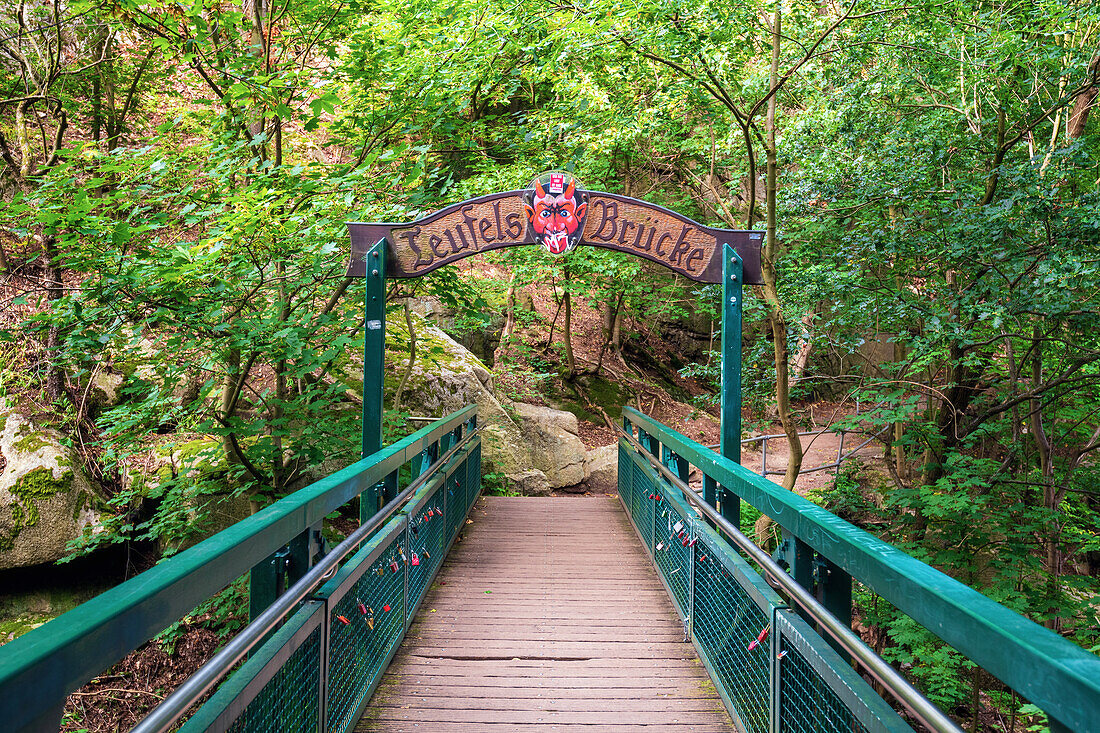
412,359
509,310
805,347
610,318
1046,469
775,317
55,378
567,336
1083,104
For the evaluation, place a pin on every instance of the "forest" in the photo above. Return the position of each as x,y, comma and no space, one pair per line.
176,178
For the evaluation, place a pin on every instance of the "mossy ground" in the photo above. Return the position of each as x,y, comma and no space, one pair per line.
602,392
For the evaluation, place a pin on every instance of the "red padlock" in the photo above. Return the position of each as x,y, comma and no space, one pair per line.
393,566
343,620
431,512
386,608
416,559
362,608
760,639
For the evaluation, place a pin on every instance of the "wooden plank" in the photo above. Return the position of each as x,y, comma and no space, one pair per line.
575,630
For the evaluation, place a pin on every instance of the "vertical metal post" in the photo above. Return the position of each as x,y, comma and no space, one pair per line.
374,359
834,590
839,454
775,674
279,571
799,559
710,494
730,446
731,354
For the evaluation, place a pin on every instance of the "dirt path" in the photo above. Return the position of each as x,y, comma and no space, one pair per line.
818,450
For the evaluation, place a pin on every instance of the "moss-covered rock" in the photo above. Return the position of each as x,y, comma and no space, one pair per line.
203,484
45,501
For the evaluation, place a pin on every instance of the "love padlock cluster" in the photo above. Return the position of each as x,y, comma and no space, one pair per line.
677,533
397,559
365,612
425,516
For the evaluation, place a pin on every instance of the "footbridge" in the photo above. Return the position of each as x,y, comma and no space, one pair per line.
448,611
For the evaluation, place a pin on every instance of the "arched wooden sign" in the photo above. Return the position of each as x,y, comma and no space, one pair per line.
556,213
508,219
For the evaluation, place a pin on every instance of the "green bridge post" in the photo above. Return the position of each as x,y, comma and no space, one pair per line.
732,278
374,360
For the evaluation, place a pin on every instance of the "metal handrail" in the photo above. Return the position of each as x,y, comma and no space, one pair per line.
173,707
910,697
840,456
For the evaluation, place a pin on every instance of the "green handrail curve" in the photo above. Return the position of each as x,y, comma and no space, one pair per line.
39,669
1052,672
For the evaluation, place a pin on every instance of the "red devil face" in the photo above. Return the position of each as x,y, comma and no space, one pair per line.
555,212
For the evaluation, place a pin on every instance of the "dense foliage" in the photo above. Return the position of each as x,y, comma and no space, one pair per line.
176,176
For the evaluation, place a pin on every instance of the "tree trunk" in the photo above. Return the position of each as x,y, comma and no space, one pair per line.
509,311
805,347
611,316
567,336
775,317
1083,104
412,359
55,377
1051,499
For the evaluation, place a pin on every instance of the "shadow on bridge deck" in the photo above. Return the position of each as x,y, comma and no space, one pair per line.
546,616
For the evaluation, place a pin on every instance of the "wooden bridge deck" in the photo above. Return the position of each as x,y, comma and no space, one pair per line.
547,616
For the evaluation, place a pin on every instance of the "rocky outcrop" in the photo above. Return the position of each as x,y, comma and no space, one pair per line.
603,469
556,449
528,483
46,502
532,448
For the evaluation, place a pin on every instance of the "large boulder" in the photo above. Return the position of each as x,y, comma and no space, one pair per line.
556,449
603,469
46,502
531,448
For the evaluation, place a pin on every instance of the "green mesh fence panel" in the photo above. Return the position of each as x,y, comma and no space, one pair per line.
643,488
626,481
671,530
818,691
291,700
806,704
473,480
426,537
358,653
277,688
730,605
726,620
457,493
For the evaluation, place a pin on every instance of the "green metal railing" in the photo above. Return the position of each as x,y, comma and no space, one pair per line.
774,671
326,646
